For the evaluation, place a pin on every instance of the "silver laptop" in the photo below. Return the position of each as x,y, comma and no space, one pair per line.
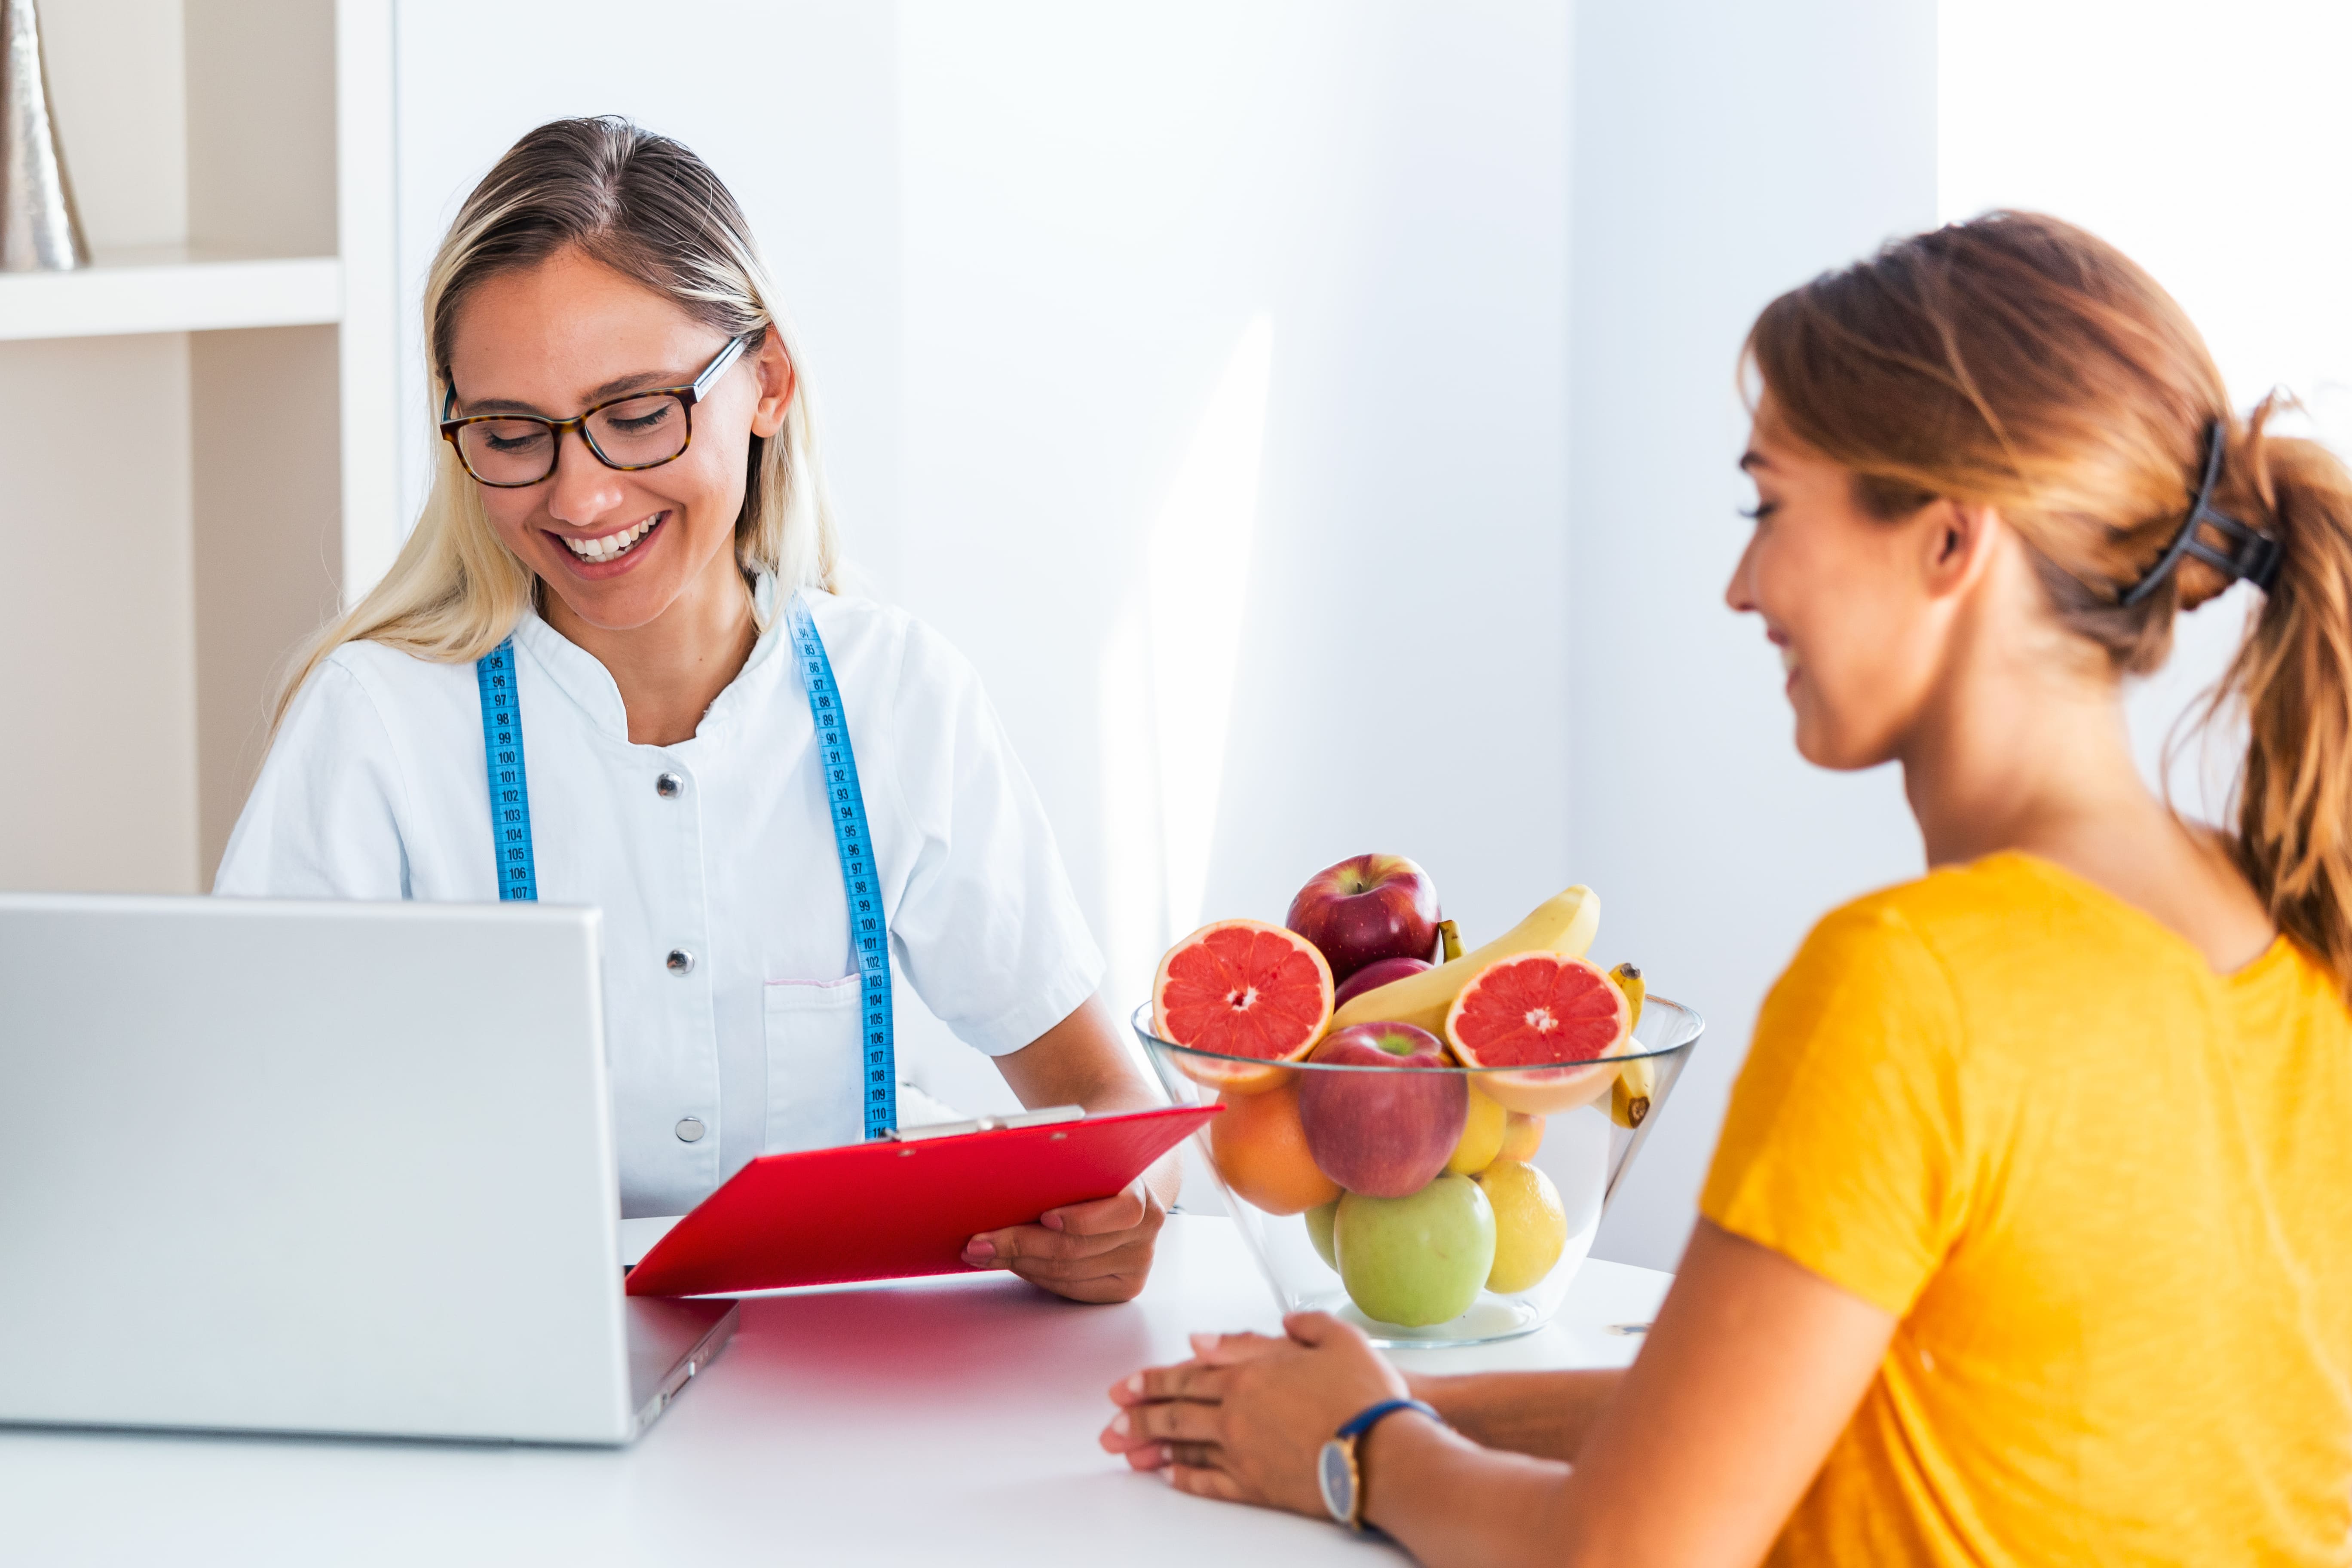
318,1167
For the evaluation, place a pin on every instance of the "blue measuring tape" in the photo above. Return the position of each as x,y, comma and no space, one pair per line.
869,927
869,930
509,788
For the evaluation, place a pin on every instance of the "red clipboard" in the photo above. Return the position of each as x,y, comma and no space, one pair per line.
889,1210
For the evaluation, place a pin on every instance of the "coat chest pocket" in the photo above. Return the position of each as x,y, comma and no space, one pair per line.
815,1066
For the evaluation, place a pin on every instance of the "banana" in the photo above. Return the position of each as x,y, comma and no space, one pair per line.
1629,981
1453,935
1630,1097
1563,924
1637,1080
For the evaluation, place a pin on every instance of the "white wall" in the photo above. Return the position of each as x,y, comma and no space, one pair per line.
1235,343
1723,153
2210,150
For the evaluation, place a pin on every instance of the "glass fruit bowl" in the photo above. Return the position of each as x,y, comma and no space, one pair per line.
1484,1250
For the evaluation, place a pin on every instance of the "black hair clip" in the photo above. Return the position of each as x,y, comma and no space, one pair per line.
2253,554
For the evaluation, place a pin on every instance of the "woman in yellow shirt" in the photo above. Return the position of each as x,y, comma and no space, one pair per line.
2028,1239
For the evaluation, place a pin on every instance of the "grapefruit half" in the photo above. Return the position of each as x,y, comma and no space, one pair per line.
1242,988
1538,1010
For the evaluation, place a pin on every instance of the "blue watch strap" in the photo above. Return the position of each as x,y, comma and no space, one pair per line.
1366,1419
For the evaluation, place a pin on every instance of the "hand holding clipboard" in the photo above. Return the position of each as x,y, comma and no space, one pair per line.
894,1208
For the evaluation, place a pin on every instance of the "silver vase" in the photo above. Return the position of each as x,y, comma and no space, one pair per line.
39,229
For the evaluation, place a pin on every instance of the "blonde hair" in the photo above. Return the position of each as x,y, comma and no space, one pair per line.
648,207
2016,362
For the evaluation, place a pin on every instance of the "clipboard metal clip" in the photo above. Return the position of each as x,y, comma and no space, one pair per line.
1046,1117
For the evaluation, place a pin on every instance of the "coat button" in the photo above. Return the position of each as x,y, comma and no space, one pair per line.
690,1130
669,786
679,960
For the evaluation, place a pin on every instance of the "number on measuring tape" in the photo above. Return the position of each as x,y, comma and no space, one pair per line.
870,932
509,784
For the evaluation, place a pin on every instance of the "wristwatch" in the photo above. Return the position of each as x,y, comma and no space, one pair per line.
1336,1471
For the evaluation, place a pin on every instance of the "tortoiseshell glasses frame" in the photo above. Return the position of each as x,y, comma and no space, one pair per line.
638,432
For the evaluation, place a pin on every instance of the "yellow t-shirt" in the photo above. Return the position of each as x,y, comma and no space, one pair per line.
2109,1195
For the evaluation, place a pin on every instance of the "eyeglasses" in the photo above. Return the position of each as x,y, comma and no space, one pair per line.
643,430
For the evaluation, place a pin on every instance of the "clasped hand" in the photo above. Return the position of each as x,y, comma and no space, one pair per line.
1245,1418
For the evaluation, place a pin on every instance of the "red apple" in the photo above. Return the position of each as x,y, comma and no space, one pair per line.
1372,1127
1373,976
1364,909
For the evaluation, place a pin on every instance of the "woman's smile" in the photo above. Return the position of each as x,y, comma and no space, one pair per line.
609,555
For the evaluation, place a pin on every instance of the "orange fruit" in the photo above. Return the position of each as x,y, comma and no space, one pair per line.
1242,990
1260,1149
1522,1136
1540,1010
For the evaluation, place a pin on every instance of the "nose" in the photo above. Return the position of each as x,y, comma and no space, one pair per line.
1741,592
582,490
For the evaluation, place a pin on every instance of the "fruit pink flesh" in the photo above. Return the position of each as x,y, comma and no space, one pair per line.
1365,909
1385,1134
1240,991
1373,976
1537,1009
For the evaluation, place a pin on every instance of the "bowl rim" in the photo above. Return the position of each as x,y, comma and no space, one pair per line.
1685,1035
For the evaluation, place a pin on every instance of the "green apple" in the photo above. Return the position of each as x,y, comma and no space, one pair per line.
1416,1261
1319,1222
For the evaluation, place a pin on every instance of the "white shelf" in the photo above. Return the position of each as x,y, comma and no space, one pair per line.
170,291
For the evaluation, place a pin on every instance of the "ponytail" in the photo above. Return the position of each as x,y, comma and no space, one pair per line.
2292,678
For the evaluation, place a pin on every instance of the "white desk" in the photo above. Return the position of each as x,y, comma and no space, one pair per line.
937,1421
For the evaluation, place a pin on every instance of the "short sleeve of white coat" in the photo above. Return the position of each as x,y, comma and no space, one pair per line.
323,820
987,929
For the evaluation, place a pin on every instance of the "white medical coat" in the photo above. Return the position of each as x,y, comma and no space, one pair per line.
375,789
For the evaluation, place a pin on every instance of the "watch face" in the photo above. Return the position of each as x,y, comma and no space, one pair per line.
1337,1473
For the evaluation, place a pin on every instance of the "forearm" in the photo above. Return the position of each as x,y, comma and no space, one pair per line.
1542,1413
1455,1504
1114,1092
1079,1061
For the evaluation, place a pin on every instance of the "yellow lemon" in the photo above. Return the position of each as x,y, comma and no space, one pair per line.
1530,1224
1482,1136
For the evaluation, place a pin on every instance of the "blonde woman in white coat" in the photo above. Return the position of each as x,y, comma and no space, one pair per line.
622,584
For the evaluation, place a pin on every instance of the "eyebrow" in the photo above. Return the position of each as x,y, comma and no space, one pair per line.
1752,459
642,380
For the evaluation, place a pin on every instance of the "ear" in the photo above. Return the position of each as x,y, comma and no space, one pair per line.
1955,544
779,384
